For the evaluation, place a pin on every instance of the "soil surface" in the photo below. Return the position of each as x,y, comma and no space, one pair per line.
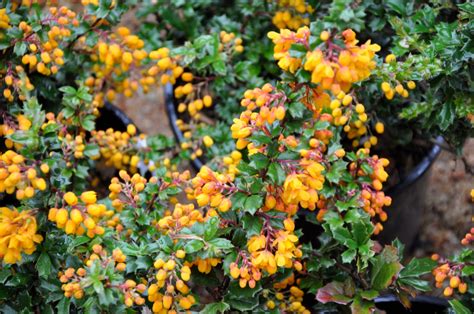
448,209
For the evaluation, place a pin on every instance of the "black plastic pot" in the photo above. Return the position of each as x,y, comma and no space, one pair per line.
419,305
173,116
112,117
389,304
408,197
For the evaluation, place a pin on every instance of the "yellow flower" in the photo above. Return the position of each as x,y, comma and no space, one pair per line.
256,243
17,234
70,198
89,197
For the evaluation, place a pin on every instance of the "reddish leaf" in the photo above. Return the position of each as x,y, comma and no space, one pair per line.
333,292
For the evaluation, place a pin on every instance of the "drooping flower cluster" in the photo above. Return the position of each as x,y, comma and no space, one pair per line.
43,54
269,102
17,176
301,187
119,149
268,251
292,14
283,42
392,87
451,273
334,68
85,217
286,296
122,65
170,290
372,196
230,43
75,282
212,188
17,234
129,189
182,216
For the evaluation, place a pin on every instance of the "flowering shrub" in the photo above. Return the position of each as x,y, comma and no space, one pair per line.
285,215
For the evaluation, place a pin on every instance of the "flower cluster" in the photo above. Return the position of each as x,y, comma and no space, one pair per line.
229,42
211,188
127,192
182,216
17,234
286,296
170,291
372,196
43,54
231,163
81,218
74,146
120,65
393,86
4,19
292,14
449,272
119,149
270,102
301,186
268,251
75,282
17,175
333,67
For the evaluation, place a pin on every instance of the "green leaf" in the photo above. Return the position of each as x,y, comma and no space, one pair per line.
335,173
238,200
383,274
219,67
361,306
459,308
20,48
362,230
253,203
91,150
418,284
211,227
398,6
418,267
221,243
88,122
68,90
144,262
252,225
468,270
78,241
193,246
385,267
276,173
369,294
214,308
242,299
258,161
44,265
348,256
4,274
63,305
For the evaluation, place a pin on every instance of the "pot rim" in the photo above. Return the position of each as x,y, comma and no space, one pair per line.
119,113
419,170
172,117
419,299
